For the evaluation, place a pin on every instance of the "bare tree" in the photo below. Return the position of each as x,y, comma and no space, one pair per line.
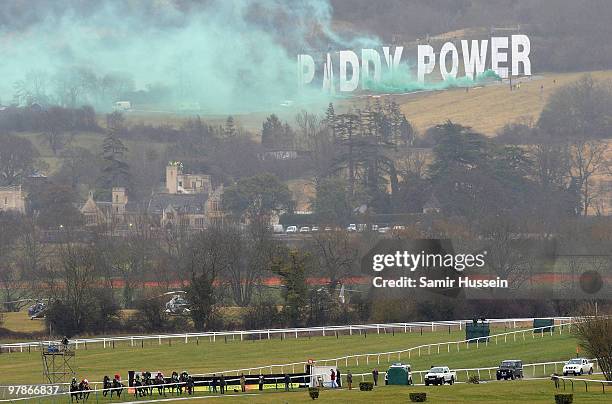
594,333
334,255
588,159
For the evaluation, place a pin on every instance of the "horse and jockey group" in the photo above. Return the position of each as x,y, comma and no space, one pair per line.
144,385
80,390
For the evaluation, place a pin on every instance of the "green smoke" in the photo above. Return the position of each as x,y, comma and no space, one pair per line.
218,55
213,56
403,81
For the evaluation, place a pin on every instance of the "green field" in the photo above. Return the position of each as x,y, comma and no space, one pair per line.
205,356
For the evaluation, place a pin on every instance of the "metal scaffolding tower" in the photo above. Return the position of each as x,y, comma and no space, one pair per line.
58,363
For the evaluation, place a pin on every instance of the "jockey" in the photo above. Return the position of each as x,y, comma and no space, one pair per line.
118,377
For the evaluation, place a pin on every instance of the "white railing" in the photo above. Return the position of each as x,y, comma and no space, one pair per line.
133,340
416,351
586,382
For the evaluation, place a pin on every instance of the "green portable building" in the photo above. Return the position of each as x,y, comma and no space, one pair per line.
477,331
547,323
399,373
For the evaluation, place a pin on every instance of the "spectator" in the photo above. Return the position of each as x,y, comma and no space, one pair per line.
287,381
214,383
222,384
333,379
242,383
375,376
261,382
349,380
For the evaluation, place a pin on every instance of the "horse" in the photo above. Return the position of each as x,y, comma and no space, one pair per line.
138,390
106,386
175,383
183,381
148,382
75,392
160,383
190,385
84,389
117,387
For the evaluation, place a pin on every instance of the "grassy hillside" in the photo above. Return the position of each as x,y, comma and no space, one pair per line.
489,108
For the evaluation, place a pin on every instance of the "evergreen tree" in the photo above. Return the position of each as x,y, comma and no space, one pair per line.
115,169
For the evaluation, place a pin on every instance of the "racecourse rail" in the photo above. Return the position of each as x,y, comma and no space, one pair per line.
417,351
133,340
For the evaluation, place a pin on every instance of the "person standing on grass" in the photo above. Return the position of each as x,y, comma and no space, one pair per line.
214,383
242,383
222,384
349,380
375,376
287,381
261,382
338,378
333,379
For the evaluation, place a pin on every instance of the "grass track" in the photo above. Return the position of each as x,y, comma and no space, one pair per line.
95,362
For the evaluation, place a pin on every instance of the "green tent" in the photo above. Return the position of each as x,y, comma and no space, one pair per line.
399,373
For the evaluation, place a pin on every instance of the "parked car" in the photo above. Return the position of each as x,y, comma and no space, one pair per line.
278,228
578,366
291,229
314,229
510,369
351,227
439,375
384,229
327,228
304,229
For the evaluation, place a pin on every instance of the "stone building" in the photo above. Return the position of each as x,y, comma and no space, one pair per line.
178,182
117,211
190,200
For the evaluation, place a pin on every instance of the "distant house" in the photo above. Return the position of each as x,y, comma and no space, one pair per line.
13,199
178,182
195,211
117,211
